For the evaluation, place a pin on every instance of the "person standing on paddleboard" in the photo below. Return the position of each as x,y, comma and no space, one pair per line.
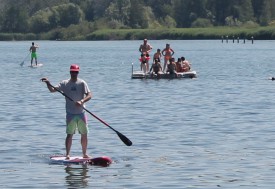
33,51
78,92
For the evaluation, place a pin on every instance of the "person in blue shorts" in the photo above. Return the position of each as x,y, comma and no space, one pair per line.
78,90
33,53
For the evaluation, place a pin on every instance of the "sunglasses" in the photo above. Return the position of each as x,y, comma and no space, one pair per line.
74,72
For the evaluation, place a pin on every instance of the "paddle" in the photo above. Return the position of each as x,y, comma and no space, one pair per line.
22,63
121,136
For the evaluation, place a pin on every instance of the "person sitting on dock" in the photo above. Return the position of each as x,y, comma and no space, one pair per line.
172,67
185,65
179,65
156,68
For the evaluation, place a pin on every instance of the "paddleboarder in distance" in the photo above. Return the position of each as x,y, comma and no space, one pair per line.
33,51
79,92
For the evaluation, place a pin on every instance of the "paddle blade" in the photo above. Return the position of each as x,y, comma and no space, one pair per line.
124,139
22,63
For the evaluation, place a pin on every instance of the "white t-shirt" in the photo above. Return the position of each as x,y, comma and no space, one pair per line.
76,91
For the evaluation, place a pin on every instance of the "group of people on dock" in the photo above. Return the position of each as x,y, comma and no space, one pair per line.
170,66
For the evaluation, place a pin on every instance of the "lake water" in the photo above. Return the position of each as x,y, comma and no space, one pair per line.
216,131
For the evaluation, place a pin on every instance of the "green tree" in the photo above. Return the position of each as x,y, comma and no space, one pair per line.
42,16
161,8
221,9
187,11
180,13
257,6
57,16
100,7
88,8
36,5
169,22
243,10
15,19
69,14
137,15
54,18
39,22
201,23
119,10
267,13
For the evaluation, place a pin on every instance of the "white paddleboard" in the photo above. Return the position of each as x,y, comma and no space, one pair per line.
36,66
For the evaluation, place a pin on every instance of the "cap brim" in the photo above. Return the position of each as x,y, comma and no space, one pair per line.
74,70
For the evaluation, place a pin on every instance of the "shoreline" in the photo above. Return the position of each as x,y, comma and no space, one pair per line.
230,33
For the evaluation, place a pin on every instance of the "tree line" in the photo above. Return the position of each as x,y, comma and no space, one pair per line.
64,18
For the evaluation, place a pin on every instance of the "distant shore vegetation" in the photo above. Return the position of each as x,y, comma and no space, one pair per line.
136,19
75,34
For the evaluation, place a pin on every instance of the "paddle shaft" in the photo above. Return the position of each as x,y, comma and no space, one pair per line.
25,59
121,136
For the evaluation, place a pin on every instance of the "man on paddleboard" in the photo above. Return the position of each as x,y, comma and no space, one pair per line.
33,51
78,90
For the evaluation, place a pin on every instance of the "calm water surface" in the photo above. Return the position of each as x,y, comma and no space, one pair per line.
216,131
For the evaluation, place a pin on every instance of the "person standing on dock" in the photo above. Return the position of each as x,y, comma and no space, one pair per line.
33,52
143,63
157,55
167,52
145,49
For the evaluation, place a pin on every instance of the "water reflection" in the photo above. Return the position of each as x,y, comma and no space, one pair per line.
77,176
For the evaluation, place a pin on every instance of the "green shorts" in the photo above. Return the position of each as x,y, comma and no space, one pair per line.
77,121
34,55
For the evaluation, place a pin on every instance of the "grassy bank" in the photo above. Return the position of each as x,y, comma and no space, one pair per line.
259,33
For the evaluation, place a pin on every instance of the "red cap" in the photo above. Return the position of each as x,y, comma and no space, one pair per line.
74,68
